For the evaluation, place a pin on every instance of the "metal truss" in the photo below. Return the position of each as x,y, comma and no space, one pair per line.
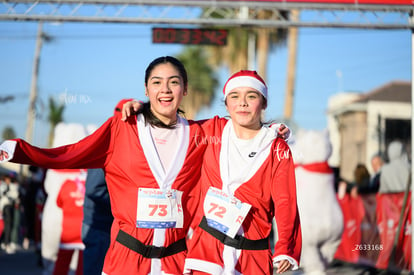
205,13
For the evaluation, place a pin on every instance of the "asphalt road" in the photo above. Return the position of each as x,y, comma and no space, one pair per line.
25,262
20,263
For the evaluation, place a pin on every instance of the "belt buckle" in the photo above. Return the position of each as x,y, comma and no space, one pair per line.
233,242
155,252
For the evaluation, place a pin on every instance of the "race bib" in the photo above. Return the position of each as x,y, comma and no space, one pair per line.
159,208
223,212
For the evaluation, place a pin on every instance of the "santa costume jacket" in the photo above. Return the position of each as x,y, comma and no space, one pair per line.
128,156
70,200
268,185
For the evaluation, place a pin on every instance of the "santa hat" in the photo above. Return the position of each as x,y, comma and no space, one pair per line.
120,104
245,78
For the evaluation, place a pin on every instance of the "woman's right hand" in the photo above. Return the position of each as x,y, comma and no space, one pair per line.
129,108
3,155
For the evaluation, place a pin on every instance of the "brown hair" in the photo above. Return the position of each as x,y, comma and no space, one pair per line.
361,174
145,110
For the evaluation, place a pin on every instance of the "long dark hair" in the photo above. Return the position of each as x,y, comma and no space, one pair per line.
145,110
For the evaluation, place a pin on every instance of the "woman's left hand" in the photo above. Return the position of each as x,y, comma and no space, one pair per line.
283,266
283,131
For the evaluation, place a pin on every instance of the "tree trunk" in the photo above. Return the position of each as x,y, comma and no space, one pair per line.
291,69
31,113
262,51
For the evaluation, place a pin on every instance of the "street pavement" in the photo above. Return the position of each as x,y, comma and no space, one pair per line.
25,262
20,263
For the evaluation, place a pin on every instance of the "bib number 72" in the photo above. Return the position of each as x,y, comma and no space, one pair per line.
224,212
217,210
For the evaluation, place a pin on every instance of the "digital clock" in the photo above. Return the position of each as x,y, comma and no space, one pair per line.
190,36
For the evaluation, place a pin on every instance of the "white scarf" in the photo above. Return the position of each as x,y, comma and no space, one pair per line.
165,178
236,168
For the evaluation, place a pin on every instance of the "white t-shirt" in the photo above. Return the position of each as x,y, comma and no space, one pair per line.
166,142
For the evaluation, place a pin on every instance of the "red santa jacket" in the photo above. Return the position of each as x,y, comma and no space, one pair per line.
70,200
271,192
116,147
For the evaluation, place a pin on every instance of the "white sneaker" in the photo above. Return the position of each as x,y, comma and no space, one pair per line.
13,246
10,249
26,243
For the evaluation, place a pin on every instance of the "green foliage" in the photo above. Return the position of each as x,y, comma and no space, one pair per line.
8,133
55,112
202,81
55,116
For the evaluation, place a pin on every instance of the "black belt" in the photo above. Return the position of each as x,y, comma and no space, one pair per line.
150,251
239,242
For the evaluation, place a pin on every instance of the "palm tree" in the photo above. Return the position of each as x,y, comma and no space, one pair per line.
202,80
235,54
8,133
268,39
55,116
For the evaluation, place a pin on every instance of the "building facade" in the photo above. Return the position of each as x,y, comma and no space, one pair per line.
363,124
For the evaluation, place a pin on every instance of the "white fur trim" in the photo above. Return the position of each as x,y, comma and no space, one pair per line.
200,265
72,246
245,81
292,261
156,267
276,127
8,146
230,257
164,178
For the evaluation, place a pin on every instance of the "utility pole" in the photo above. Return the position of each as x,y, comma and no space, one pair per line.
291,69
31,113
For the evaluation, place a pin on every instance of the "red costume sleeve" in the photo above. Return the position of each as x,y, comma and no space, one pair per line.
90,152
284,197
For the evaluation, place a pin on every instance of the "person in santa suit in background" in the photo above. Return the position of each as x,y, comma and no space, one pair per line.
51,214
70,199
246,179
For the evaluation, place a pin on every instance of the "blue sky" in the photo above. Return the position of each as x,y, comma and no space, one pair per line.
92,66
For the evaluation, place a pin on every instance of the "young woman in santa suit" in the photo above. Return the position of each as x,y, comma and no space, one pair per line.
247,179
151,162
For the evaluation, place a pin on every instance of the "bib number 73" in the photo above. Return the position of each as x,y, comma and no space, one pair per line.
159,208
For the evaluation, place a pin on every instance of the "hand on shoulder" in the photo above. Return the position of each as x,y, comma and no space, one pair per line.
129,108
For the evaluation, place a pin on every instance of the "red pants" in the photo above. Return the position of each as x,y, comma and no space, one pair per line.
63,262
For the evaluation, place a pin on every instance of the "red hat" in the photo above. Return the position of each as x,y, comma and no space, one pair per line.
245,78
118,107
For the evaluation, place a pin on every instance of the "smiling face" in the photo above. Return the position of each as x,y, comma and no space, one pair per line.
245,106
165,89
